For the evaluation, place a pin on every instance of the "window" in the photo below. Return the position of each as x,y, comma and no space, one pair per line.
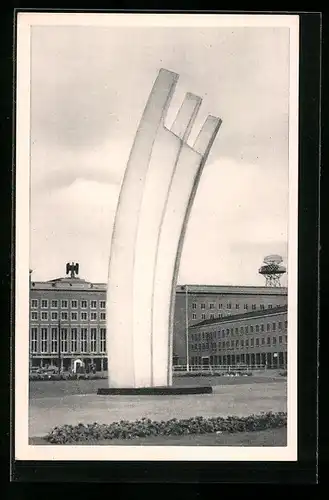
83,340
34,315
247,342
237,306
274,326
241,330
103,316
54,315
34,340
262,327
280,325
194,305
83,304
246,329
270,306
251,342
220,306
203,306
54,304
223,333
257,328
34,303
263,340
84,316
227,332
220,315
212,316
237,343
227,344
64,316
286,324
268,327
257,341
93,341
93,316
242,343
74,339
102,304
280,339
102,346
229,306
44,340
64,339
44,303
64,304
232,343
74,304
211,306
203,316
268,340
253,307
93,304
251,329
262,307
237,331
231,331
54,341
245,306
285,339
44,315
74,316
273,340
219,345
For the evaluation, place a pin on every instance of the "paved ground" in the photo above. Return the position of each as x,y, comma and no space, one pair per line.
269,437
233,397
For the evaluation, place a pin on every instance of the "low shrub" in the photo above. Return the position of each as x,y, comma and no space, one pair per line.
147,427
214,374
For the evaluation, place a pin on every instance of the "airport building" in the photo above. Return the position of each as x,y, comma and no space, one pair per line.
196,304
254,338
68,319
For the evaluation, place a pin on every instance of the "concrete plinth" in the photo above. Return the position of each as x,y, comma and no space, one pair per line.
154,391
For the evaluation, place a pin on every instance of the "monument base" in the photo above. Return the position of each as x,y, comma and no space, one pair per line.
153,391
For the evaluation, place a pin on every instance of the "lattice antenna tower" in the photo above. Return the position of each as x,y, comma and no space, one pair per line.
272,269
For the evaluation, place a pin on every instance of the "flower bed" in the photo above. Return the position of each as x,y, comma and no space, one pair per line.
174,427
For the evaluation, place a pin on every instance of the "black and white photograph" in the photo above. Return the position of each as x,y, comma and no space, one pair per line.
156,237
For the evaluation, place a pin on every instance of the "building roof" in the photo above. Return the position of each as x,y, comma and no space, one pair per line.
75,282
67,283
247,315
232,289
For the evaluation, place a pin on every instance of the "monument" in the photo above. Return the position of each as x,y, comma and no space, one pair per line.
154,205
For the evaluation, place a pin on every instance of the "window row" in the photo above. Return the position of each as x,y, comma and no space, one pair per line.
229,305
64,316
259,328
64,304
239,344
70,341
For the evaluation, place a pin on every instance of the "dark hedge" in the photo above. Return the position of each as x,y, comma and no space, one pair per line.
174,427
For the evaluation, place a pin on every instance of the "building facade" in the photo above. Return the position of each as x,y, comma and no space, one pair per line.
68,317
68,323
258,337
197,303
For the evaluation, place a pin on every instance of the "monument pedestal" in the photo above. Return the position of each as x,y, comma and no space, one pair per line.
154,391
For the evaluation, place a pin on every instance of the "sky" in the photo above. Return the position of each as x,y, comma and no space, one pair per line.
89,86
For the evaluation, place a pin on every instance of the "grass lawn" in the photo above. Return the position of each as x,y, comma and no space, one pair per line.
53,388
269,437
